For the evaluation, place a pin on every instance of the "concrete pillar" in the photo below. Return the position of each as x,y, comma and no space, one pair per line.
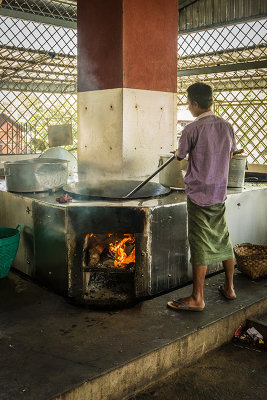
127,82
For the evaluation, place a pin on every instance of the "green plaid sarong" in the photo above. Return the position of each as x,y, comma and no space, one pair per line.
208,234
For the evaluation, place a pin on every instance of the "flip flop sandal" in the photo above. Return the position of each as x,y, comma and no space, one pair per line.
184,307
221,290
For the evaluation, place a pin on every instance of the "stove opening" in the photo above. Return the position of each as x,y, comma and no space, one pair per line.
111,250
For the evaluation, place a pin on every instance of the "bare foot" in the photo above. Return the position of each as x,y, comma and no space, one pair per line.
191,302
227,291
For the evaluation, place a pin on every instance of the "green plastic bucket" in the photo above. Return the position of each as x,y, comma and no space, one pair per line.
9,243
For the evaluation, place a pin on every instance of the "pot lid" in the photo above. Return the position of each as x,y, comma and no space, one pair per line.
62,154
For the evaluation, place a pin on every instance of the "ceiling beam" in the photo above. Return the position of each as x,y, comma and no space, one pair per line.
38,87
223,68
41,19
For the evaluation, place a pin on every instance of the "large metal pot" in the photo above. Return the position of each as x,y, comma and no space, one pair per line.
236,174
173,174
35,175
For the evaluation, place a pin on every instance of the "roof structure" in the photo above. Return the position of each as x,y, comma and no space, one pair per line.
221,42
42,69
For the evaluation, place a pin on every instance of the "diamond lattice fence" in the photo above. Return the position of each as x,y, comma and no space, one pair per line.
232,59
38,69
38,74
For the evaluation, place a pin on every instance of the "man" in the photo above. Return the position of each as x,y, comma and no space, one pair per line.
210,142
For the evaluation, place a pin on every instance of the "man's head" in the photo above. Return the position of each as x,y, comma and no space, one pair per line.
199,98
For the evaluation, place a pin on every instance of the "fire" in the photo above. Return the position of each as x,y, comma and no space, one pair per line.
118,250
111,249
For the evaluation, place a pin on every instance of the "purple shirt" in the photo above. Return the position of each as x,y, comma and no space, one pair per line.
208,140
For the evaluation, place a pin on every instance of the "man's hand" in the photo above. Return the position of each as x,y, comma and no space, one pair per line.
176,155
240,151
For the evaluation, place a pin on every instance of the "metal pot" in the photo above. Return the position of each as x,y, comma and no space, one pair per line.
36,175
236,174
173,174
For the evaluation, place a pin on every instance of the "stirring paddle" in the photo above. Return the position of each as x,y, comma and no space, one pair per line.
149,178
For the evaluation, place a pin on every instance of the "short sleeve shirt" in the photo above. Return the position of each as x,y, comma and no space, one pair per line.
208,140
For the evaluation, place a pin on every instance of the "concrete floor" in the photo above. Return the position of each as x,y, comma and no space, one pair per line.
51,349
229,373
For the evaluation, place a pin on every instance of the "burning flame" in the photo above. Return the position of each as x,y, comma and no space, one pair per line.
118,251
121,251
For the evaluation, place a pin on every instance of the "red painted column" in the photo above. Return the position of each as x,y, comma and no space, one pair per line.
99,44
127,44
150,30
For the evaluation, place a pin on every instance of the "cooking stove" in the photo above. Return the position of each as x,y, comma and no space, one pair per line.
68,247
54,246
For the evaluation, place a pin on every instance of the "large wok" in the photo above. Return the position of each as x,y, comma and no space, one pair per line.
120,189
115,189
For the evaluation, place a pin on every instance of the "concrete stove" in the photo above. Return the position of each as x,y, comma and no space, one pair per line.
53,241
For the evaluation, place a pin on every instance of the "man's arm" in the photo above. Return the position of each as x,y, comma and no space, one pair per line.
233,150
184,145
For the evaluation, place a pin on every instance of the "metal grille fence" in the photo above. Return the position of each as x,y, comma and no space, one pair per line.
38,74
232,59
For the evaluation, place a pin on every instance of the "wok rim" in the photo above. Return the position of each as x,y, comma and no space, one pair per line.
70,189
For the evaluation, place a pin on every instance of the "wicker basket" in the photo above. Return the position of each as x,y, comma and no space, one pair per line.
251,259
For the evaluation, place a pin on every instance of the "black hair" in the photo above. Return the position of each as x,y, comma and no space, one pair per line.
201,93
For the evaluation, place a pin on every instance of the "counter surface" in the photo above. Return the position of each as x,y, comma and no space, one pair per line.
176,196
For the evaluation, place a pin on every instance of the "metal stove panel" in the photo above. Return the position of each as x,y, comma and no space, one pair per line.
50,246
169,249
